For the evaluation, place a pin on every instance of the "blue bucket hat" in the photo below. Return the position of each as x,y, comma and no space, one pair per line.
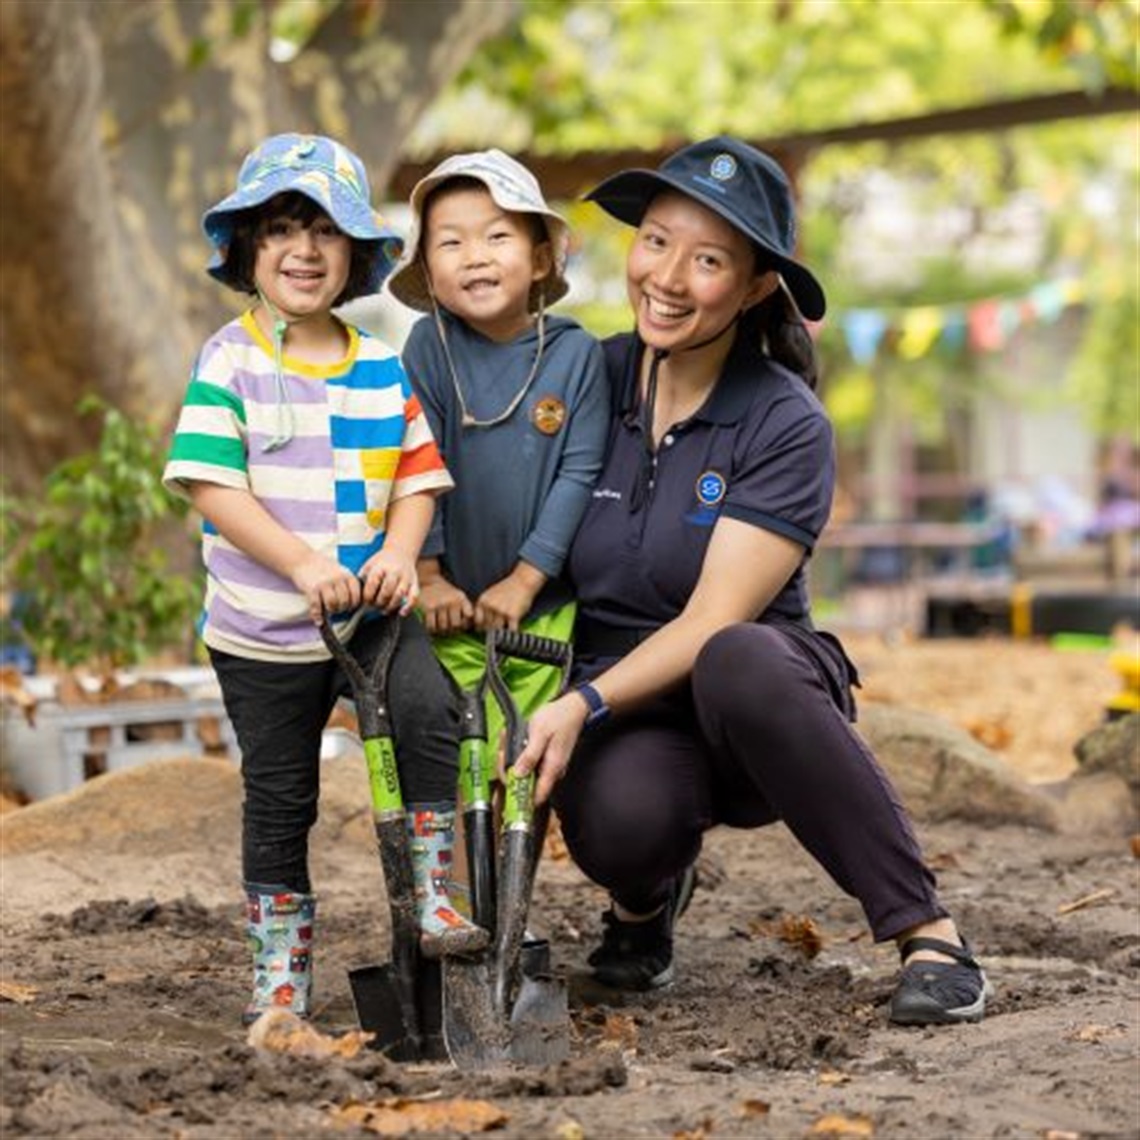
321,169
743,185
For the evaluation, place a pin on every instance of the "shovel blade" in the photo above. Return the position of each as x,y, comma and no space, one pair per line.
540,1019
477,1036
376,996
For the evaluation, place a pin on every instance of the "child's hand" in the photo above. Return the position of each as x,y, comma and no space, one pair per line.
390,580
508,601
445,607
328,587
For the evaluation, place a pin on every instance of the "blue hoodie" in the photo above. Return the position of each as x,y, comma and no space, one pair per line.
520,490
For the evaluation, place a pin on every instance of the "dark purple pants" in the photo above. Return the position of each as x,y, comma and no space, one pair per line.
761,733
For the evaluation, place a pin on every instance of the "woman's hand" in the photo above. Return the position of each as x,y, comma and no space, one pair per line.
552,733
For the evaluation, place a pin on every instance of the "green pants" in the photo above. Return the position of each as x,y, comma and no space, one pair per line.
531,683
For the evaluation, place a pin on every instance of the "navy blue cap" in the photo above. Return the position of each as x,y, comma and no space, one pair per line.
743,185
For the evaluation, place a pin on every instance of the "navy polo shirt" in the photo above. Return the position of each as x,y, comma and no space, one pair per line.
760,450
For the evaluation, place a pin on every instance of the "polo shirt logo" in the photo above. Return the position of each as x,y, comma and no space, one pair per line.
710,488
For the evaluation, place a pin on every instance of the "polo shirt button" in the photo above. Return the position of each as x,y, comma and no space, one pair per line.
668,441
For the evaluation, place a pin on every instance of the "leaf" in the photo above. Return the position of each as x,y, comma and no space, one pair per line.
12,692
620,1031
833,1077
398,1116
802,933
18,992
835,1125
1094,1034
281,1031
752,1108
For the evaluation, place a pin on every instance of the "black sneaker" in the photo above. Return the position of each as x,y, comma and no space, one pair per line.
939,993
683,887
635,955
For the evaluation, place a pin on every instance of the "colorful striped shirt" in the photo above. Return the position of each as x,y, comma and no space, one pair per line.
361,441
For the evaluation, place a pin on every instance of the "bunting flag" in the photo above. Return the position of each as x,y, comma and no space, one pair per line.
984,326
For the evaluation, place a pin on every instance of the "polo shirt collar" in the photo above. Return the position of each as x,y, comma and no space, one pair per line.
743,370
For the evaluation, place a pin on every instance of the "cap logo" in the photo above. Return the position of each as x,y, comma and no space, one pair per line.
723,167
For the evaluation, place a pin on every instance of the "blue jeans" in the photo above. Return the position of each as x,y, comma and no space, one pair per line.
279,711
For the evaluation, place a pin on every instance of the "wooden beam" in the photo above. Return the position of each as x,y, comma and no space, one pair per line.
565,176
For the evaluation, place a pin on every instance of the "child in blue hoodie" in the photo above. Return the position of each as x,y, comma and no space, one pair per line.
518,402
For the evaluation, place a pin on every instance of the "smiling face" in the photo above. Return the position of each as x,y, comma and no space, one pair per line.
482,260
301,266
689,274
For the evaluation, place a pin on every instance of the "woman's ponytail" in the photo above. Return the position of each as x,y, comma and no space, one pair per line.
785,336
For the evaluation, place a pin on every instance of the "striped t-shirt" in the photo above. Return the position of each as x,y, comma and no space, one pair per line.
360,442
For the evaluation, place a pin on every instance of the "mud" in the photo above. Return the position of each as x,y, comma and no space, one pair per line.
132,1028
123,971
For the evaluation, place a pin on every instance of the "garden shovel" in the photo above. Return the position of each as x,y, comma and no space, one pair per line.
504,1005
386,996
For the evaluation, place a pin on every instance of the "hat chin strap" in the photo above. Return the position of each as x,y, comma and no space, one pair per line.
286,417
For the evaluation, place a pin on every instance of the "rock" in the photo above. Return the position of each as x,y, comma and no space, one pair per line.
1094,803
1113,747
941,772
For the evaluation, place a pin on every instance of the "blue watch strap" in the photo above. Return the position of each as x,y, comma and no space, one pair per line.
599,710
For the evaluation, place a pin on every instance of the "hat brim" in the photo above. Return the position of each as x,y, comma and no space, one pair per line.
352,216
409,283
626,196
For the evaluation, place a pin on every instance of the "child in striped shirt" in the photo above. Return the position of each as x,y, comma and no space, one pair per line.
303,447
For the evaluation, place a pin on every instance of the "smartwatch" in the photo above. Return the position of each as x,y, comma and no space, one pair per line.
599,710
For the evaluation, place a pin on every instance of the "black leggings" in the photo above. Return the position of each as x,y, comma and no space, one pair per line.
761,733
279,712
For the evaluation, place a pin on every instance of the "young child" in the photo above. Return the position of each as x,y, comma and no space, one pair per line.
303,447
518,402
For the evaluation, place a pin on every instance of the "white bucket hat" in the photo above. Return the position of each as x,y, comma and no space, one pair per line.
513,188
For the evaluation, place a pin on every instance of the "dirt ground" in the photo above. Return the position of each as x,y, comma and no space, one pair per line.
123,969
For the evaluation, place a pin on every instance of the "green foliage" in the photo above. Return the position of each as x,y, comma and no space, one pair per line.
1105,376
1098,39
643,73
87,556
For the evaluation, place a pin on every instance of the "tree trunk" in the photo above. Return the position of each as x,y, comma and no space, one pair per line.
123,120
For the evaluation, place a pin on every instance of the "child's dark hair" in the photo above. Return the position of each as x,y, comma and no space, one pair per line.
783,333
534,223
241,255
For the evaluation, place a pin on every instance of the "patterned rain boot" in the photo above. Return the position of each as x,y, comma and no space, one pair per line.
443,930
280,932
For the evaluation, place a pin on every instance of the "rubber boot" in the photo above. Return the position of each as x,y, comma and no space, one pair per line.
443,930
280,931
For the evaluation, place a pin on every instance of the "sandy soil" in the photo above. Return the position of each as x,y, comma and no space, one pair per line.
123,971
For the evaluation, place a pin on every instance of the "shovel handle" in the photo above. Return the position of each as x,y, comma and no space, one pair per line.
519,850
511,643
369,688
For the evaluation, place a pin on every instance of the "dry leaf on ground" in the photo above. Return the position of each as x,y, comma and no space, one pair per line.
620,1030
281,1031
18,992
835,1125
802,933
398,1116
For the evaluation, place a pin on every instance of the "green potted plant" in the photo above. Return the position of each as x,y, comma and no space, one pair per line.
88,574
